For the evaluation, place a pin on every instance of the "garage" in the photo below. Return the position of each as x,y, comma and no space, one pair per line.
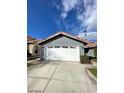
62,53
62,46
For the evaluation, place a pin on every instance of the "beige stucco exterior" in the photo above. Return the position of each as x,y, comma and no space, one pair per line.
33,48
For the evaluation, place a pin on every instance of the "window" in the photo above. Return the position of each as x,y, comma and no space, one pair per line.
36,51
56,46
86,50
72,47
50,47
64,46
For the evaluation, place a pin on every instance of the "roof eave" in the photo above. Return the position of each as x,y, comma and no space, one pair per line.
65,34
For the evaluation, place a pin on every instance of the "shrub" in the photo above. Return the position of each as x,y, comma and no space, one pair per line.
84,59
95,52
29,64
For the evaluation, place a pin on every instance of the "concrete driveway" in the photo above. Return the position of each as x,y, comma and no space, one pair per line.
59,77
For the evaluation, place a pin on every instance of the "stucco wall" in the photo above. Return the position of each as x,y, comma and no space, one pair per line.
32,48
90,53
65,41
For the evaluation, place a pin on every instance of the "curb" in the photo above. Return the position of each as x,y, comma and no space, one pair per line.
93,62
31,66
29,61
90,75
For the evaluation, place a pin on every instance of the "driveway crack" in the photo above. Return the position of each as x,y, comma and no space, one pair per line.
50,78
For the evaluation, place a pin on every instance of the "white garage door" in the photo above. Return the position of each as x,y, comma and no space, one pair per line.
62,53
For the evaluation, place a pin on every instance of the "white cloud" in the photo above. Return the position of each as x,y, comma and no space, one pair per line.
80,17
90,12
68,5
58,7
63,15
90,22
86,15
90,35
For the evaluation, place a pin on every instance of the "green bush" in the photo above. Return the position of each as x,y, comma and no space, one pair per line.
29,64
84,59
95,52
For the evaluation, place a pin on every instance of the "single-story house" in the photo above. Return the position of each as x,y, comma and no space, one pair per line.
91,49
32,46
62,47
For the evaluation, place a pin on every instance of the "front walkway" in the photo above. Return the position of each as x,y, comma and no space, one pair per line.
59,77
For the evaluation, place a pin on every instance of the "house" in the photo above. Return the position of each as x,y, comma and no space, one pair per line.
32,46
62,47
91,49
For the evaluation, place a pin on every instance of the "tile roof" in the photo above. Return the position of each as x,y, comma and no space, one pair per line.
29,38
32,40
65,34
91,45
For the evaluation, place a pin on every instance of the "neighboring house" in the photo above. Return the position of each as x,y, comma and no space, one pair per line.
32,46
91,49
62,47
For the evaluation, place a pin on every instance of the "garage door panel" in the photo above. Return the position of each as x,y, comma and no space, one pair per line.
70,54
63,54
53,54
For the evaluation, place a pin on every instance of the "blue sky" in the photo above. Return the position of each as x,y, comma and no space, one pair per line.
46,17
